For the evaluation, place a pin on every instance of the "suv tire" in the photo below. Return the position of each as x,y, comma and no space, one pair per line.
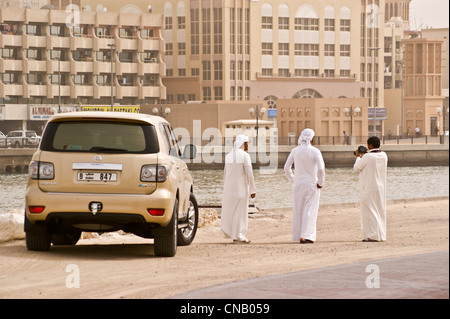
37,237
166,240
186,234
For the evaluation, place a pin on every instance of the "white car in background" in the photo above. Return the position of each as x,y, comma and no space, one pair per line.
4,142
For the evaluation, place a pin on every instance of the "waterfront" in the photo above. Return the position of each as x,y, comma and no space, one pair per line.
274,191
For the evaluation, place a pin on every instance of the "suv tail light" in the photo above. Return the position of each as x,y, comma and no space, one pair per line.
42,170
154,173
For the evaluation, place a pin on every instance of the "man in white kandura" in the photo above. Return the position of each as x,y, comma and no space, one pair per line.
307,182
372,169
238,185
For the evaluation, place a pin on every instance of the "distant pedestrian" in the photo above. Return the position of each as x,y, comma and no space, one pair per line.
372,169
307,181
239,184
346,139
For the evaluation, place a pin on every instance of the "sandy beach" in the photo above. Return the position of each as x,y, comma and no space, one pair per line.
123,266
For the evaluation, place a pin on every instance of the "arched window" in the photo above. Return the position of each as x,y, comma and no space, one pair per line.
307,94
271,101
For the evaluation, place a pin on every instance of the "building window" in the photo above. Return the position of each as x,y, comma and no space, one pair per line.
345,73
345,50
329,73
181,48
169,72
181,23
267,72
181,72
195,71
206,70
218,30
195,31
267,48
283,72
283,48
232,70
345,25
267,23
283,23
329,24
217,70
168,23
206,93
232,31
247,70
307,24
206,15
329,49
169,48
239,70
306,49
218,93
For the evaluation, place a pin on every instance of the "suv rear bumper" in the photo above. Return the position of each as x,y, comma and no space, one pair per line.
77,205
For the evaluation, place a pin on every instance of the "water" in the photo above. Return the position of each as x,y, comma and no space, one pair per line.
274,190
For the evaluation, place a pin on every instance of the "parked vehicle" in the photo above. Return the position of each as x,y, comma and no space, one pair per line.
23,138
4,142
102,172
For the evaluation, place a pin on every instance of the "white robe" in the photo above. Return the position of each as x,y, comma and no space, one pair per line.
238,185
372,169
309,171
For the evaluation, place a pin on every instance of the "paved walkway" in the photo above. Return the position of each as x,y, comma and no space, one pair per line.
417,276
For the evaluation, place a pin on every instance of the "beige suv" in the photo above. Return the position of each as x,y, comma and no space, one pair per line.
102,172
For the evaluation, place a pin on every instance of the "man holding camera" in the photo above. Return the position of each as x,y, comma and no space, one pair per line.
371,165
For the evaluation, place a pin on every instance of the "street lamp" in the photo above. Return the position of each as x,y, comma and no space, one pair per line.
159,111
349,112
258,113
374,50
113,47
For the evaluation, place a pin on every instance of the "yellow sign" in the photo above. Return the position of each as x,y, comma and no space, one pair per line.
116,108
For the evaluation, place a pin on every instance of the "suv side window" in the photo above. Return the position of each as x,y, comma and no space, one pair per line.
170,140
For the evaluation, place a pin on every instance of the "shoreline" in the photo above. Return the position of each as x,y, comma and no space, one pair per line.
123,266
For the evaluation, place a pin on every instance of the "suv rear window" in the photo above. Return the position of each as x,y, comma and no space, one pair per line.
100,137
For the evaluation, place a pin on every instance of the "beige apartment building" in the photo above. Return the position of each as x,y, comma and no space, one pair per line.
239,50
423,98
64,59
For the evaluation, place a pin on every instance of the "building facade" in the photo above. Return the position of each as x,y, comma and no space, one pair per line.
67,58
423,86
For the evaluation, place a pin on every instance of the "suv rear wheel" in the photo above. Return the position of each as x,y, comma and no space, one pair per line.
37,237
188,229
166,239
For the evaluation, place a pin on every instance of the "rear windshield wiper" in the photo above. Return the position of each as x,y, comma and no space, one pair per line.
107,149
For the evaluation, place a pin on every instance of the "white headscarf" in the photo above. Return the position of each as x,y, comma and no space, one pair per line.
306,136
240,140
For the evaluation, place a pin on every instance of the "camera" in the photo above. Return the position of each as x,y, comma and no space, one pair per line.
361,150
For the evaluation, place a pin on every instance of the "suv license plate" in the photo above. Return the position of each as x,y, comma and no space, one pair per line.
97,177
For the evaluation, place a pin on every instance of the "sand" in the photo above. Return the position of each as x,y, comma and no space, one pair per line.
123,266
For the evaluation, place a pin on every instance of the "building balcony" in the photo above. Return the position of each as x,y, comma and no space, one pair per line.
80,42
127,91
123,67
149,92
7,65
81,90
149,45
34,90
14,89
148,68
53,90
55,66
10,40
81,67
103,91
57,42
34,41
126,44
34,66
102,67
